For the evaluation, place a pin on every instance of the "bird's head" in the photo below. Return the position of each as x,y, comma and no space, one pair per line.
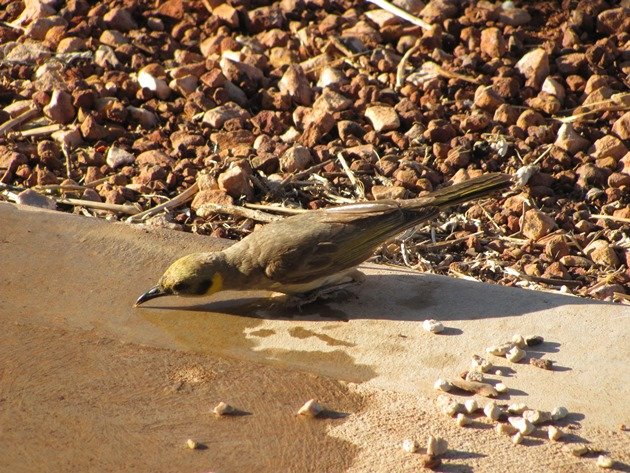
197,274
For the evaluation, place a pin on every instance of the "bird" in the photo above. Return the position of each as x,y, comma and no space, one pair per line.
312,252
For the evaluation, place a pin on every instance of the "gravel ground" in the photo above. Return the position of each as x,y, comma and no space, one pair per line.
214,118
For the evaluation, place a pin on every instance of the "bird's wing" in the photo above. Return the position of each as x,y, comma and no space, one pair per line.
337,239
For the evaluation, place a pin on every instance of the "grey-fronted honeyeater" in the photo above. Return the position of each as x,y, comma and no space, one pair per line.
312,250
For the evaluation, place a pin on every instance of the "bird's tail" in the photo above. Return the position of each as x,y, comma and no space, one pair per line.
462,192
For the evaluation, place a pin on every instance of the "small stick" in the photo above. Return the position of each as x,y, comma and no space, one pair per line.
400,70
208,209
399,12
125,208
610,217
358,185
176,201
41,131
275,208
27,115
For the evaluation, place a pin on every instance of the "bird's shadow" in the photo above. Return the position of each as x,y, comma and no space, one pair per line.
399,295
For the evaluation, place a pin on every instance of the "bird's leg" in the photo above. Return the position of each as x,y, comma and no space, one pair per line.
332,291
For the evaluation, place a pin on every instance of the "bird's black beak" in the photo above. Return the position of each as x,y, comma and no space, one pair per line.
150,294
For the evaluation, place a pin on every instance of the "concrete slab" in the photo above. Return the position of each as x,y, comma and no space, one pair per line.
62,272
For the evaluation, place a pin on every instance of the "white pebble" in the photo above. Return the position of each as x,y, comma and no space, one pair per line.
436,446
480,364
492,411
505,429
519,341
578,450
515,355
535,416
190,443
524,174
223,409
462,420
517,408
554,433
523,425
433,326
410,446
559,413
501,388
476,376
442,385
517,438
471,406
605,462
498,373
311,409
500,350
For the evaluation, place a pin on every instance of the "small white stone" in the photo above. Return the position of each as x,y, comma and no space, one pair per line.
311,409
432,326
190,443
452,408
436,446
523,425
476,376
501,388
505,429
605,462
535,416
517,408
442,385
500,350
223,409
515,355
410,446
492,411
480,364
519,341
559,413
517,438
554,433
155,84
577,450
462,420
471,406
522,176
498,373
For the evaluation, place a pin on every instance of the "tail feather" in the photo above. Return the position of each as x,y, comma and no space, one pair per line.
462,192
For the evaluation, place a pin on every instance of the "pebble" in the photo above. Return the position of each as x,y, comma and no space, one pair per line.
35,199
60,108
500,350
442,385
492,411
118,157
476,376
601,252
608,145
471,406
559,413
533,340
311,409
501,388
522,425
296,158
433,326
534,66
537,224
569,140
217,116
462,420
541,363
621,127
519,341
578,450
410,446
120,19
190,443
155,84
295,84
536,416
223,409
517,438
554,433
235,182
505,429
604,461
383,118
493,43
515,355
436,446
480,364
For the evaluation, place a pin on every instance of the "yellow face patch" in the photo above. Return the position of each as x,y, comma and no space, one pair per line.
217,284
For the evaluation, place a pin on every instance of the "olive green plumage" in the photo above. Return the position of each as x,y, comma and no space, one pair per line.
314,249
